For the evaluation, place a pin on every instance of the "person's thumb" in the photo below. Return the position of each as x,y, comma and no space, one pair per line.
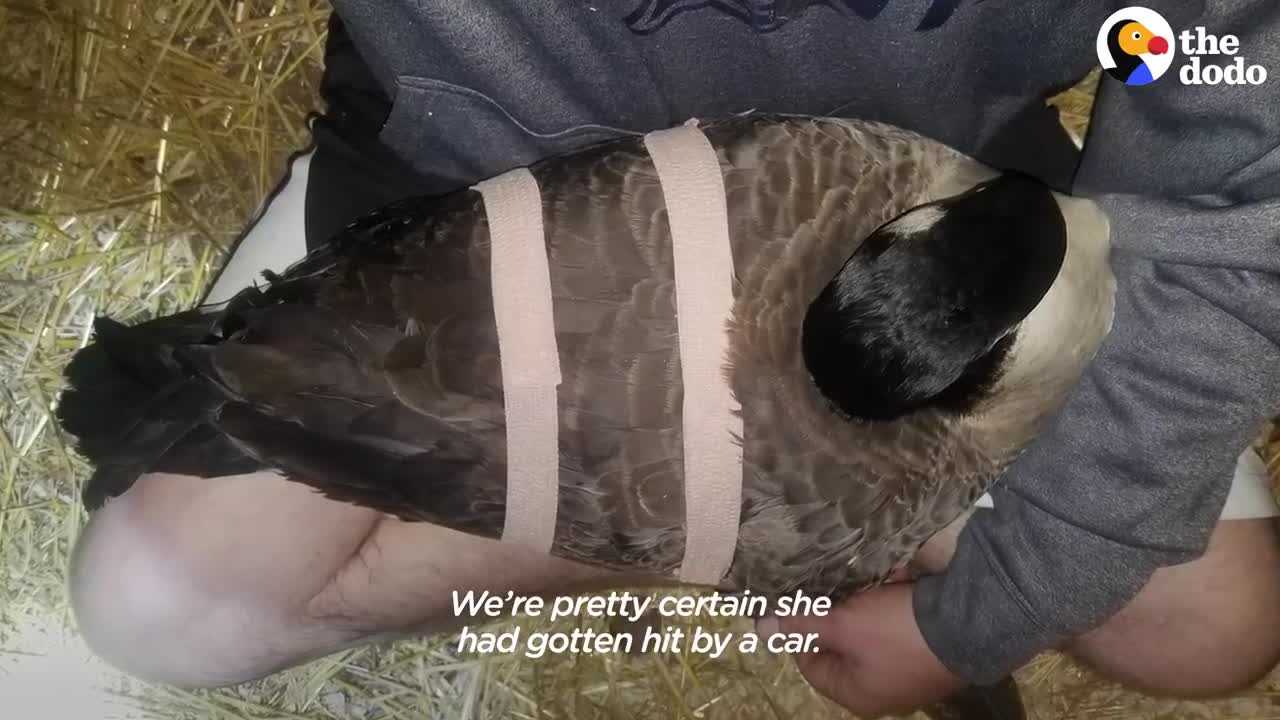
834,630
827,665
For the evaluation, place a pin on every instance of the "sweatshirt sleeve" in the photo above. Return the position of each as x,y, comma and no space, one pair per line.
1132,474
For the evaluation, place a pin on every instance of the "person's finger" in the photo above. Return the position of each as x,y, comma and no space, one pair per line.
838,630
835,668
829,673
902,574
824,668
770,625
837,677
767,626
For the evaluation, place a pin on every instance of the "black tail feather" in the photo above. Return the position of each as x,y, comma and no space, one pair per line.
133,406
141,443
411,482
110,384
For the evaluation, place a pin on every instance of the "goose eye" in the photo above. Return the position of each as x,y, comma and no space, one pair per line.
1137,36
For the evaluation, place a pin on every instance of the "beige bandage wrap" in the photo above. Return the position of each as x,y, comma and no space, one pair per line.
527,348
693,188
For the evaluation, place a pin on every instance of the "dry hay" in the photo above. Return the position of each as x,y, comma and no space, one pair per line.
135,141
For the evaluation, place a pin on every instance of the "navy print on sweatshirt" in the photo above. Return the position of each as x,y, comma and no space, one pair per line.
765,15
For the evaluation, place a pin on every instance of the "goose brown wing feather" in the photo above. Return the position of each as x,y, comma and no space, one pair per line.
382,346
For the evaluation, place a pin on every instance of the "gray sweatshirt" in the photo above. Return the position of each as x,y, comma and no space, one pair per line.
1133,473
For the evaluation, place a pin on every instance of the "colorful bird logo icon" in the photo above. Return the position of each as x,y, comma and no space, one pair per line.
1136,46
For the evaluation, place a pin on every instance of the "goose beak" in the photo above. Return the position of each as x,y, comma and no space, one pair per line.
1158,46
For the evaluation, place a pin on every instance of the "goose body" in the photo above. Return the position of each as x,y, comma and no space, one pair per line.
881,392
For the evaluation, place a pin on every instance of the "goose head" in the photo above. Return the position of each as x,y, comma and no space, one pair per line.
947,302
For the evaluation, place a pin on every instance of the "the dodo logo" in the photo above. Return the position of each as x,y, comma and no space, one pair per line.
1136,45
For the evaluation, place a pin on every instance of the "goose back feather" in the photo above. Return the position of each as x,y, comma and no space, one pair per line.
370,369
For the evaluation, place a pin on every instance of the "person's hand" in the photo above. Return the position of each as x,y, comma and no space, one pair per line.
872,658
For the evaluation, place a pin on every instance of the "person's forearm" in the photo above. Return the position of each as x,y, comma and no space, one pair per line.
1133,473
1131,476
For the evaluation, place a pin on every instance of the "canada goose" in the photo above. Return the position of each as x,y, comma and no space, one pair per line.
903,320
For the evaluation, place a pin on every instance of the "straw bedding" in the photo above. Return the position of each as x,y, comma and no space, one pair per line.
136,139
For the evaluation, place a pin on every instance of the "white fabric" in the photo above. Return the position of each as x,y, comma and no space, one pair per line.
1250,495
693,189
521,279
276,241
